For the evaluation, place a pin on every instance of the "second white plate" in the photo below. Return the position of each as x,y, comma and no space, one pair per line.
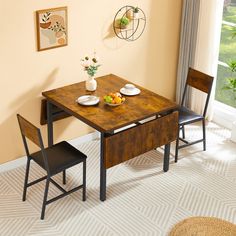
132,92
88,100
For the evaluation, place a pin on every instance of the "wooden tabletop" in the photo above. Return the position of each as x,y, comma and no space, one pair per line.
105,118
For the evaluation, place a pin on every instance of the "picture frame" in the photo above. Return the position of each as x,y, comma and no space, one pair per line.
52,29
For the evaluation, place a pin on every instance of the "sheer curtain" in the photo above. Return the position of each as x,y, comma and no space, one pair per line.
207,49
188,40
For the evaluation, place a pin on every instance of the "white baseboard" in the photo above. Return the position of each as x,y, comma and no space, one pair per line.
86,138
224,115
22,160
13,164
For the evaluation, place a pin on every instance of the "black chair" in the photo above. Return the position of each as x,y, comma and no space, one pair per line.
53,160
202,82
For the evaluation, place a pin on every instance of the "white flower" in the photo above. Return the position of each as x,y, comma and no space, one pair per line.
95,58
85,63
86,57
90,64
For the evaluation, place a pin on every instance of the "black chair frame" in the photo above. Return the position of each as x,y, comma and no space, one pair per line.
49,175
196,118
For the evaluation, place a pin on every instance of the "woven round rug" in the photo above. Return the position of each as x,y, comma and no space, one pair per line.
203,226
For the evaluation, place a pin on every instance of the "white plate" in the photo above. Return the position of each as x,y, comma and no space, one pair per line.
132,92
88,100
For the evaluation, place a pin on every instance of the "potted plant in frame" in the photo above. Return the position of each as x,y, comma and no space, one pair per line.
231,86
135,12
123,22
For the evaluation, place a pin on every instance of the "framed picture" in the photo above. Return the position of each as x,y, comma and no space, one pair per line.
51,28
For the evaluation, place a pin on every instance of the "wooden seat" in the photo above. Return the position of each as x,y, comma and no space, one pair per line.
202,82
53,160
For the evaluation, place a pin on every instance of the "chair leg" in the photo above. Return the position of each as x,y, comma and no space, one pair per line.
26,179
177,148
84,180
204,134
183,132
45,198
64,177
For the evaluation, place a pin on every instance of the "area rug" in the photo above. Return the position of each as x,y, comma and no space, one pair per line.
204,226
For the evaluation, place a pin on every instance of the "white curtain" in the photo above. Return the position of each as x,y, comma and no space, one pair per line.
207,49
188,39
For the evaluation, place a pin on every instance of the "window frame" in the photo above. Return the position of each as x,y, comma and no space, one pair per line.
223,113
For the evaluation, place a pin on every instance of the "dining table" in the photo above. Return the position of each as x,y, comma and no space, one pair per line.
141,123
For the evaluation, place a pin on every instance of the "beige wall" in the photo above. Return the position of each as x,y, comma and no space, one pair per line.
25,73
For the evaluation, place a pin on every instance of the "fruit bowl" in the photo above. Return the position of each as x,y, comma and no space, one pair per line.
113,105
114,99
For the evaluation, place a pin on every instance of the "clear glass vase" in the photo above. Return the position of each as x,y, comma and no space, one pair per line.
91,84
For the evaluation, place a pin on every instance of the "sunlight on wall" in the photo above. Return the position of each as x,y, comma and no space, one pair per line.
25,73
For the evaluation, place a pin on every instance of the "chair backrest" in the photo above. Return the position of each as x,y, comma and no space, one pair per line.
28,130
200,81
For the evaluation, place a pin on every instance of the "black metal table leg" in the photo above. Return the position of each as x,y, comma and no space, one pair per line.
103,171
64,176
177,148
166,157
84,181
50,124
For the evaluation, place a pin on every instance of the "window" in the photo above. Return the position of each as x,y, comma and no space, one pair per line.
227,54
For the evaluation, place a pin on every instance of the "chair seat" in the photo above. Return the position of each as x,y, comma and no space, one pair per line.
60,157
188,116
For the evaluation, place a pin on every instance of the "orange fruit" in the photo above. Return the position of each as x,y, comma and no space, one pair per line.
117,100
